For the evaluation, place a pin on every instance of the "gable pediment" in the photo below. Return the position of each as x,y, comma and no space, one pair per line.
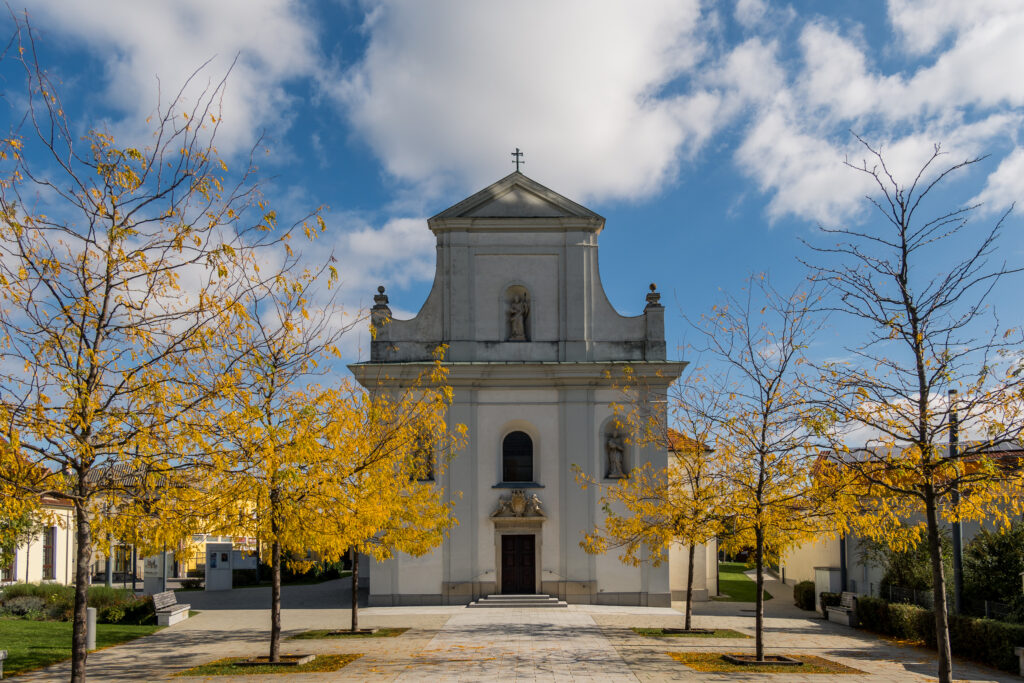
516,197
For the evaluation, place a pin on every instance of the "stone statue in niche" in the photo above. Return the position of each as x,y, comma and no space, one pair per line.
615,449
518,314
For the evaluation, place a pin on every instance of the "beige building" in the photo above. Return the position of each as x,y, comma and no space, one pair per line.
49,557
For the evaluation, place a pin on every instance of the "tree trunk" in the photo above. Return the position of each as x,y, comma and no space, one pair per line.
355,589
689,587
83,554
759,598
275,599
938,588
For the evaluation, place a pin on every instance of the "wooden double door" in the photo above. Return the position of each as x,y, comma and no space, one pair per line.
518,563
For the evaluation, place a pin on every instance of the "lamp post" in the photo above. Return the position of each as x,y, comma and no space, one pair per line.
957,533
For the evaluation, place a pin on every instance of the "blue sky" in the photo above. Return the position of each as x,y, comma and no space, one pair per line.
711,136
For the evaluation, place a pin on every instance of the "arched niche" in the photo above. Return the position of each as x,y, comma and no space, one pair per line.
517,304
616,455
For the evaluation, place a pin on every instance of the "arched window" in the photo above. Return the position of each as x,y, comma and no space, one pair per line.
517,457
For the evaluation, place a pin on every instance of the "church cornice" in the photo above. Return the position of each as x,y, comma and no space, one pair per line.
522,373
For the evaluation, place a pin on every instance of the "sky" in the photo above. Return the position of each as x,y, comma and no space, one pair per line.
710,135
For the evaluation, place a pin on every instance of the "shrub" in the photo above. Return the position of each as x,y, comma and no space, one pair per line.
245,577
192,584
803,595
873,614
829,600
112,614
30,606
910,622
993,561
140,611
61,606
982,640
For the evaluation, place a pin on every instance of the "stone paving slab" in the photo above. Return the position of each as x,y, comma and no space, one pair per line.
581,643
519,645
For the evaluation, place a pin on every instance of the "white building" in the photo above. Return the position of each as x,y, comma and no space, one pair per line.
49,556
534,348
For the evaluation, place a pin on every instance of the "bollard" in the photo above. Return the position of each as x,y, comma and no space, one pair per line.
90,628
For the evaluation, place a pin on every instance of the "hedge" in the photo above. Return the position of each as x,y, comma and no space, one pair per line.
829,600
803,595
55,602
982,640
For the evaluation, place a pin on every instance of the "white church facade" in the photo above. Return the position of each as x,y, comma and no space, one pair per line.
534,349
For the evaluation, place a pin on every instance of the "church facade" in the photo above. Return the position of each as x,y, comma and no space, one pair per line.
534,350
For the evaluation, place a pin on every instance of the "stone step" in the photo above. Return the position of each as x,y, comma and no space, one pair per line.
515,601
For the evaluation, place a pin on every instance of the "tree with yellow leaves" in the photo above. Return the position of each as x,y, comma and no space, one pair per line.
393,445
919,286
758,344
271,444
683,503
120,268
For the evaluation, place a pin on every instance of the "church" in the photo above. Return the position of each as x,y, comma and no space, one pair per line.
534,349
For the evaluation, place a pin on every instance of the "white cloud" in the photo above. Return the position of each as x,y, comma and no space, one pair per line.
803,173
750,13
398,253
923,24
447,89
1005,185
140,42
967,98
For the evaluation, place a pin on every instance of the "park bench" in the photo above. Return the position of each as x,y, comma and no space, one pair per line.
168,610
846,611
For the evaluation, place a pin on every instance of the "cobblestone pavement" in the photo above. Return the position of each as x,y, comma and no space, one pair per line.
582,643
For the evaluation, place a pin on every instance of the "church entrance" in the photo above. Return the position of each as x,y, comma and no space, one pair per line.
517,564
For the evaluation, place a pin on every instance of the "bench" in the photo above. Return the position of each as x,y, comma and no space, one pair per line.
846,612
1019,651
168,610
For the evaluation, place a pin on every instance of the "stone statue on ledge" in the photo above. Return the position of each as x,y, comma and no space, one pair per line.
615,449
518,313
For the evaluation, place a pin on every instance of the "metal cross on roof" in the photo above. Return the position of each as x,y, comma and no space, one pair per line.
517,154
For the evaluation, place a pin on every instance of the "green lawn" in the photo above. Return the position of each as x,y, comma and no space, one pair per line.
737,585
34,644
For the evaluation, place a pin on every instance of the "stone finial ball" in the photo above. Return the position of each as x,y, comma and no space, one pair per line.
653,286
381,289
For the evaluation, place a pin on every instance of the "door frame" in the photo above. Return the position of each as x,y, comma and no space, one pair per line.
522,530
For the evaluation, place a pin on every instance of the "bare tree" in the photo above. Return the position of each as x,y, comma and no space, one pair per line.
759,342
918,281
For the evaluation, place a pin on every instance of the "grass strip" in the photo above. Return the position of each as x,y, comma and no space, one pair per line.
737,585
713,662
325,634
34,644
717,633
229,667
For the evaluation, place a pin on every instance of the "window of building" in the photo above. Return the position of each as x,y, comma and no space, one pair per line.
122,559
7,573
50,553
517,457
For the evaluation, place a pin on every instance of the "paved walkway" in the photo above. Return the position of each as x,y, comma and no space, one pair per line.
582,643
